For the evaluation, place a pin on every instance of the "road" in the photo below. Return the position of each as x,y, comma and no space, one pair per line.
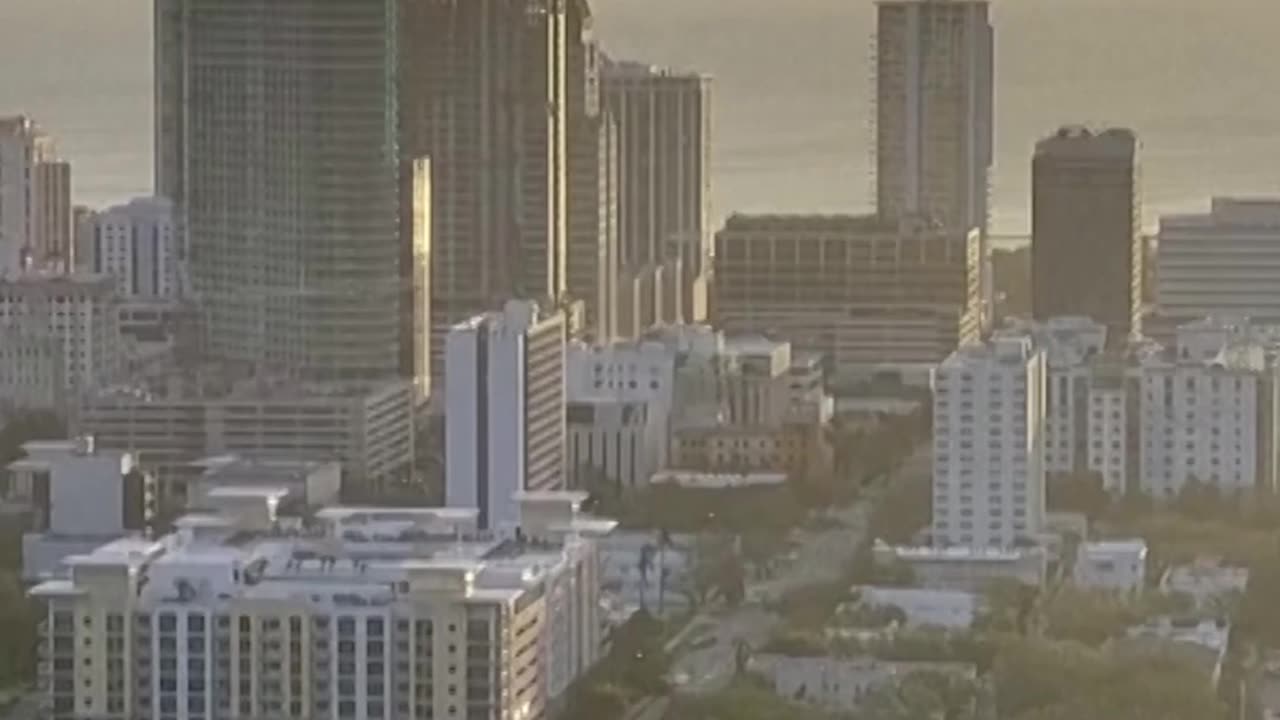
820,556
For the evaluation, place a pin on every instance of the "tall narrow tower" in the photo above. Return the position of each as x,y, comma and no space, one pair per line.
934,108
277,133
483,95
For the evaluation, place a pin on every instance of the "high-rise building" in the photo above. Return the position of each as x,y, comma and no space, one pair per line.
592,265
1220,263
664,191
934,110
862,290
136,244
505,409
1087,254
286,168
988,455
483,95
367,613
35,197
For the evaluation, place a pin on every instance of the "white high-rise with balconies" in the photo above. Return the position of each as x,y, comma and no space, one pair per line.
989,456
135,243
934,110
505,410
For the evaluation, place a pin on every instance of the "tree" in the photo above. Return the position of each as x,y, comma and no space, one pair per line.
924,696
25,427
1081,492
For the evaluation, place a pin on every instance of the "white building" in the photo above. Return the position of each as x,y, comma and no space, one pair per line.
505,410
135,243
372,614
35,197
81,496
307,483
1206,582
841,684
988,460
964,568
31,370
617,441
77,311
934,110
1221,262
1117,565
1208,422
951,609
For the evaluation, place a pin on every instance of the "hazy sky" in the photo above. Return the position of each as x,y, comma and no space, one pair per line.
1193,77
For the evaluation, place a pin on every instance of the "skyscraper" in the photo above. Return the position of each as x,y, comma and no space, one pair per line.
934,107
277,133
483,95
505,410
592,265
1086,248
35,196
664,155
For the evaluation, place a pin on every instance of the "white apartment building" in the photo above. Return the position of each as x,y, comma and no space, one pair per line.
136,244
1209,422
1220,263
368,614
35,197
988,461
80,497
505,410
78,311
966,569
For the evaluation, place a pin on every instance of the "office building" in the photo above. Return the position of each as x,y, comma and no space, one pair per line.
137,244
934,107
80,496
988,457
1087,254
368,613
862,291
32,374
592,264
1220,263
35,197
664,156
367,427
504,410
615,443
77,311
483,95
286,169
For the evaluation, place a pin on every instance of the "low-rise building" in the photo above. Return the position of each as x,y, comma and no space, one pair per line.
1116,565
364,613
1202,643
843,684
616,441
950,609
1210,584
80,496
964,568
306,483
693,479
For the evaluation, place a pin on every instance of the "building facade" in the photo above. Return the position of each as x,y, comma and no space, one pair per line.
1087,255
505,410
664,156
484,96
857,289
79,312
368,428
286,169
137,244
377,613
35,197
989,455
934,110
1221,262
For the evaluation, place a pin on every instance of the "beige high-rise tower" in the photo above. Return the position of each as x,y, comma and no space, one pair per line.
934,100
35,197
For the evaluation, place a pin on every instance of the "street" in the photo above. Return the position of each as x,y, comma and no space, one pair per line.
820,556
